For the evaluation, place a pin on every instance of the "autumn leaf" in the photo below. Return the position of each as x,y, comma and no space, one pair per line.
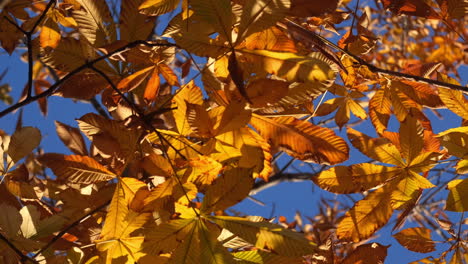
76,168
302,139
23,142
365,217
118,237
72,138
228,189
416,239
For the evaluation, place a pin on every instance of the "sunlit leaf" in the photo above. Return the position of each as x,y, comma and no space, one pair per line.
157,7
457,199
302,139
367,215
265,235
76,168
50,34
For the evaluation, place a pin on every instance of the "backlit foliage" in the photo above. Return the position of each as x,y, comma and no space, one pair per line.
195,102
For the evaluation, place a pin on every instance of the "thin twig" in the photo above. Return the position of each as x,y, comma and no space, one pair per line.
17,251
64,231
297,29
54,87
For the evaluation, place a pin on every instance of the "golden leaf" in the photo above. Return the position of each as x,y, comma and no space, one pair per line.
375,148
367,215
192,94
264,92
457,200
133,25
302,139
118,237
50,34
265,235
157,7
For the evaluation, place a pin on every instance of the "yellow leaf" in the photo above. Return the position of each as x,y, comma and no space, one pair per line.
72,138
204,171
118,237
167,236
201,246
416,239
17,183
367,215
337,180
292,67
370,175
132,81
50,34
376,148
191,94
367,253
456,141
260,256
457,200
380,110
230,118
405,192
23,142
200,121
265,235
454,100
242,144
227,190
76,168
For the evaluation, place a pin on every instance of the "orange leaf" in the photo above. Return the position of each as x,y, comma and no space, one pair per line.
76,168
168,74
132,81
50,34
152,87
302,140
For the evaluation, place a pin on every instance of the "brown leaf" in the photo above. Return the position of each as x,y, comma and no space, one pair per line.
72,138
23,142
416,239
368,253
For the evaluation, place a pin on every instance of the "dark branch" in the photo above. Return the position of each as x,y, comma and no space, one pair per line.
24,258
54,87
64,231
301,33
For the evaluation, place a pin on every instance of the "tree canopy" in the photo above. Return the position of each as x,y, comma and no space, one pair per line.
198,104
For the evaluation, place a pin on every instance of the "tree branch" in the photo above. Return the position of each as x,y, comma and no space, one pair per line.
52,88
305,35
17,251
64,231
